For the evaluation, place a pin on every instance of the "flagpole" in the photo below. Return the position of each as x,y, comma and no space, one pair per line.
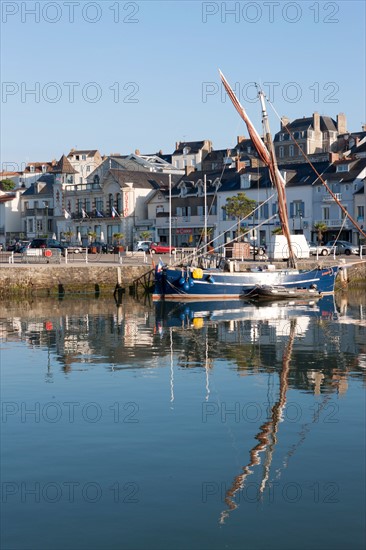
170,216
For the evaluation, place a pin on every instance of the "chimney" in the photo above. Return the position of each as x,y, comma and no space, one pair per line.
284,122
177,143
333,157
189,169
316,122
341,123
363,127
137,152
239,139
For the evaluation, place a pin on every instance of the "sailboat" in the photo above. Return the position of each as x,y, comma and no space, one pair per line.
217,280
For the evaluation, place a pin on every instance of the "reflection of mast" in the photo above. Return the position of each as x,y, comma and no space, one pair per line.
207,367
266,437
171,367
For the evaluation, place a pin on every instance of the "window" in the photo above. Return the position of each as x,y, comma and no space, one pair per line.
281,152
83,157
30,226
318,189
87,205
88,168
32,169
39,225
119,202
79,205
325,213
360,213
355,186
297,209
291,150
99,204
300,149
200,211
193,162
281,137
342,167
77,157
245,181
44,167
80,180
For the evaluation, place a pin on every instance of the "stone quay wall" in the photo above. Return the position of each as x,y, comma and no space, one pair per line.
51,279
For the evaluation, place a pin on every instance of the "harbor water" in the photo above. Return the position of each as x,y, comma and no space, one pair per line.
202,426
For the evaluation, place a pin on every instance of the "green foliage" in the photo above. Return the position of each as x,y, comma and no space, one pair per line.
145,235
92,235
118,237
68,235
239,206
277,231
7,184
321,228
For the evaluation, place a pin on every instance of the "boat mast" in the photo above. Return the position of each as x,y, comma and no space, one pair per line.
277,181
269,159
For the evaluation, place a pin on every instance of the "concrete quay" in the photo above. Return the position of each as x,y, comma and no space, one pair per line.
77,277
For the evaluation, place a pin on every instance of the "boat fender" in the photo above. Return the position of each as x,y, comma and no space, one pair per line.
197,273
181,281
191,282
210,279
186,286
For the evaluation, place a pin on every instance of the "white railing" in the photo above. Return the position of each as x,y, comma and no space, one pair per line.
329,198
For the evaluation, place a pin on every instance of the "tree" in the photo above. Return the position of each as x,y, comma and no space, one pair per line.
7,184
277,231
321,228
68,235
92,235
239,206
145,235
118,237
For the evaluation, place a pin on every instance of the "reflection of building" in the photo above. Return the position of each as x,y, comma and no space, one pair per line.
325,352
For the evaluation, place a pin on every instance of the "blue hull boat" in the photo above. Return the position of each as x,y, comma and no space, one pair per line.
188,283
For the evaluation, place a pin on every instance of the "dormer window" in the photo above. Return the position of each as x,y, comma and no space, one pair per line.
281,137
342,167
32,169
183,190
43,168
245,181
83,157
186,150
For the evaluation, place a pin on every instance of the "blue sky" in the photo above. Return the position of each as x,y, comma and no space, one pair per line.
119,76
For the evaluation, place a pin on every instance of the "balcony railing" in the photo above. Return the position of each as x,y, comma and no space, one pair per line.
38,212
334,223
329,198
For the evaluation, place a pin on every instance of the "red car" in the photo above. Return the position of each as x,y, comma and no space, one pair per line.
161,248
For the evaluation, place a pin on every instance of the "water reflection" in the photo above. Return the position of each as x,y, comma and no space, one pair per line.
330,338
291,367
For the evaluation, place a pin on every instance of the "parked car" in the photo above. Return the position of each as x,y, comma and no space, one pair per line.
99,247
143,246
320,249
47,243
343,247
73,248
162,248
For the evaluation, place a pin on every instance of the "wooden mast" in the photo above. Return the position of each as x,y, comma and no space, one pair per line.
269,158
278,182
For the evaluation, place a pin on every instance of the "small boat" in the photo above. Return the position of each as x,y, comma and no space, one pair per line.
268,292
